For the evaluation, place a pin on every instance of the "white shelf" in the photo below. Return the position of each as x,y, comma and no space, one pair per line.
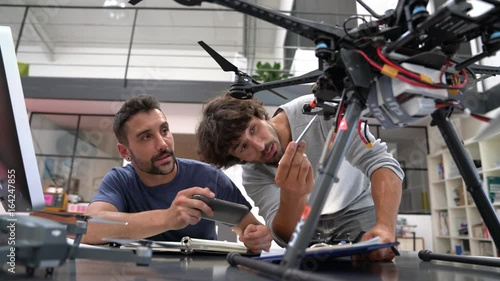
452,207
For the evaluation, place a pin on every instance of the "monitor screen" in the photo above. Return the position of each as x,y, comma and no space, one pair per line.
20,185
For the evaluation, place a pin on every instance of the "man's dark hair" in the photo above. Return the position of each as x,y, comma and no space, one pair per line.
134,105
224,121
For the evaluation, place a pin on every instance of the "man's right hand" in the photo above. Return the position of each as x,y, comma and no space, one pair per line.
185,210
295,178
295,174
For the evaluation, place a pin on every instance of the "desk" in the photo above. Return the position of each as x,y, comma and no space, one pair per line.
177,267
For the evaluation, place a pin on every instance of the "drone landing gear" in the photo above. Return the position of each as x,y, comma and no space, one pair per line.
473,183
49,271
30,271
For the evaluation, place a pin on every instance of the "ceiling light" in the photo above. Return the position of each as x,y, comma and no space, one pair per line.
116,13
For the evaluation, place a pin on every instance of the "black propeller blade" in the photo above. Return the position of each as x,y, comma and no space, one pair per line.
224,64
227,66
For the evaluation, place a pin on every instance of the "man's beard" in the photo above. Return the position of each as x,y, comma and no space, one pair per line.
279,149
150,167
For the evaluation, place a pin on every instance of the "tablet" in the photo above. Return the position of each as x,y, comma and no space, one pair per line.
224,211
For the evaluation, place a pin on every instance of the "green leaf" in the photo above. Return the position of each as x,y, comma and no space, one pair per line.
24,68
266,72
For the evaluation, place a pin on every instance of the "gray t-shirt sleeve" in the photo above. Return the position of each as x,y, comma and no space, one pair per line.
258,181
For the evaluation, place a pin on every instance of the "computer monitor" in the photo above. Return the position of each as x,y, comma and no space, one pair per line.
20,184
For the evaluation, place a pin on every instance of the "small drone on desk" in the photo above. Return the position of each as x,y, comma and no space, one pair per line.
37,242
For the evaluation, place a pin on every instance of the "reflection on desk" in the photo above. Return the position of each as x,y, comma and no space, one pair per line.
209,267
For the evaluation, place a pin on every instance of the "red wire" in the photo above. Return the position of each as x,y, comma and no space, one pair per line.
398,67
415,83
406,80
417,76
340,115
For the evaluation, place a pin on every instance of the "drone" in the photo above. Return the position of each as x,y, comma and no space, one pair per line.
38,242
407,52
398,68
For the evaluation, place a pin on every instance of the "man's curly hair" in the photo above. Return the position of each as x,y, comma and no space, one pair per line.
224,121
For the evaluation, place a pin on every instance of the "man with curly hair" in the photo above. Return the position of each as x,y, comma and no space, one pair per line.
278,173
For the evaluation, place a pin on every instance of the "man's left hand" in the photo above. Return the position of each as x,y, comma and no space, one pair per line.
257,238
386,235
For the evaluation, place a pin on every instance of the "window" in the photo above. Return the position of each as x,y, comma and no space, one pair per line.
74,151
409,146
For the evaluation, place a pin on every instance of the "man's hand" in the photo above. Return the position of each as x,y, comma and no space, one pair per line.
295,178
185,210
295,174
386,236
257,238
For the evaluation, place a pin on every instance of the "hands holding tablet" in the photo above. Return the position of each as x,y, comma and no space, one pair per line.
223,211
193,204
185,210
255,236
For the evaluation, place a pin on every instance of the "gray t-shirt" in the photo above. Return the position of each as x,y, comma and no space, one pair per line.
352,192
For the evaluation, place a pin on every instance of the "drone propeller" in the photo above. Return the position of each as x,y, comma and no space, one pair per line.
229,67
82,217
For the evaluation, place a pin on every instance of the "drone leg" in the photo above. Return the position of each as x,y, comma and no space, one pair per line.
30,271
49,271
81,228
76,244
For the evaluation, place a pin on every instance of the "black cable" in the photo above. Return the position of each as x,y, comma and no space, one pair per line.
349,19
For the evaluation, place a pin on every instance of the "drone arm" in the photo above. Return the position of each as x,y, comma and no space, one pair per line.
484,69
410,35
308,29
303,79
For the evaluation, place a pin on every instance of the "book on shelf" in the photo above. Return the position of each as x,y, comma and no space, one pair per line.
440,169
461,226
494,188
486,248
444,229
479,230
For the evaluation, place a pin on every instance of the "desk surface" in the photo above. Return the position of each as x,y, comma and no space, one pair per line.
178,267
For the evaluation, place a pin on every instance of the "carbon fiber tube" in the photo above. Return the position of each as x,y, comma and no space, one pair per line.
270,269
427,255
